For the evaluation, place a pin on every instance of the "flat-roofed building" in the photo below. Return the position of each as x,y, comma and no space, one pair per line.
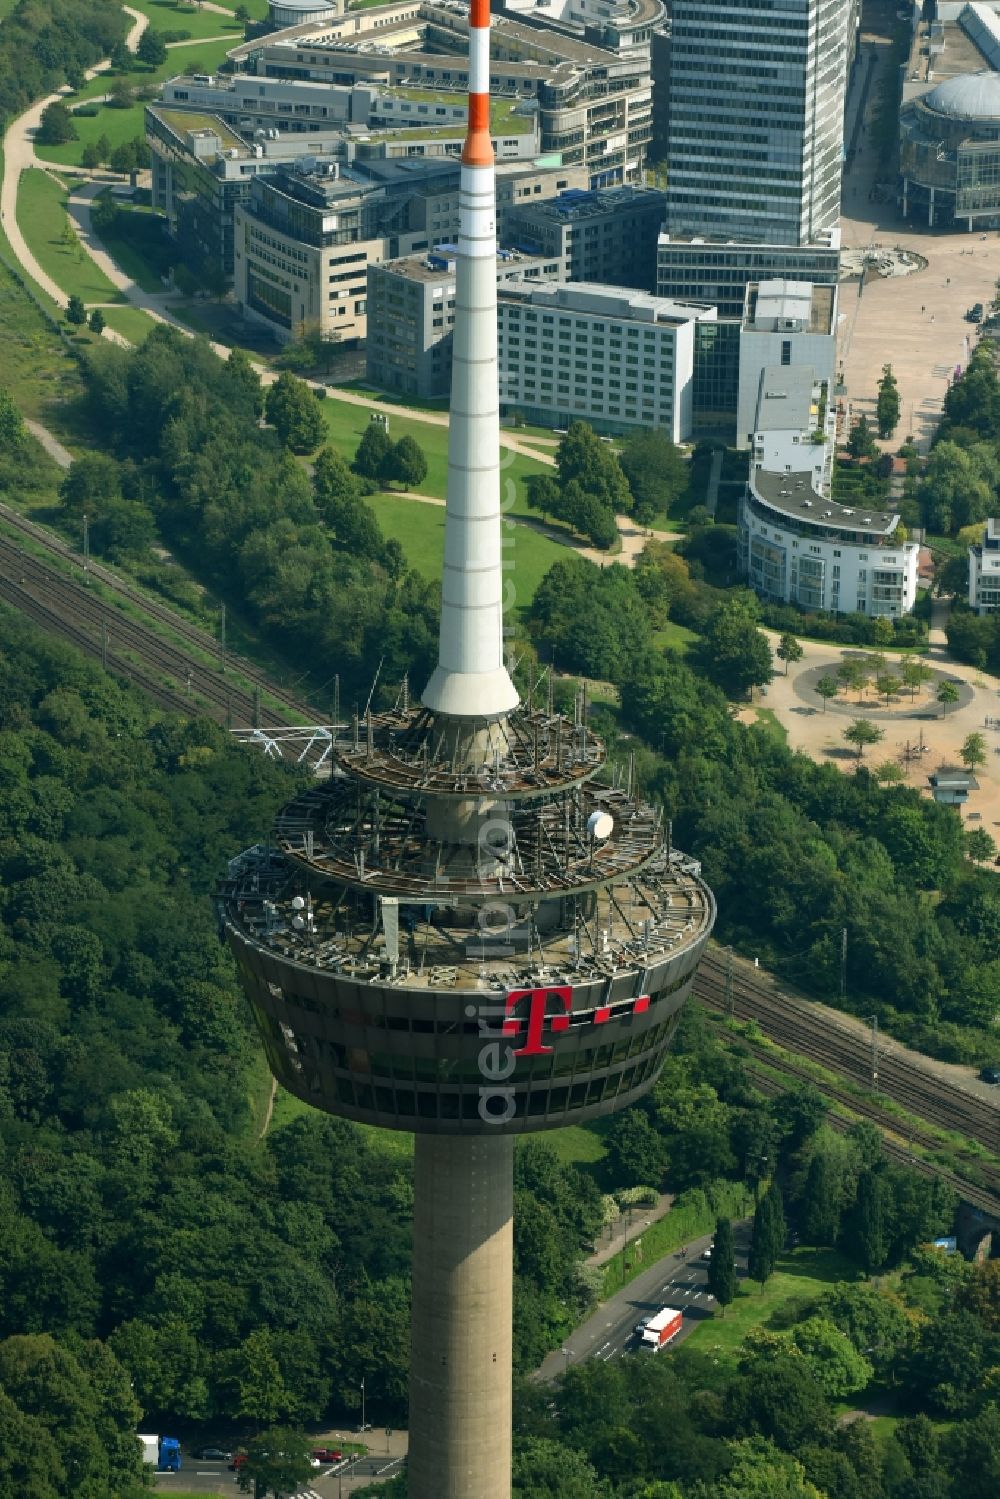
602,354
798,545
593,104
411,316
984,570
784,323
720,270
608,235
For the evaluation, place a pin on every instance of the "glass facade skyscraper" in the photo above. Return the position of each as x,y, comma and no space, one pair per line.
756,117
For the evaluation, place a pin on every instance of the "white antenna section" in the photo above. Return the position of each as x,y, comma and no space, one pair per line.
470,679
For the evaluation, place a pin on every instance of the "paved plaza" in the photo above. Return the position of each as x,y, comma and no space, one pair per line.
915,323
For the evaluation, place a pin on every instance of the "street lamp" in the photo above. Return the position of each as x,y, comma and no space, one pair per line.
362,1406
567,1355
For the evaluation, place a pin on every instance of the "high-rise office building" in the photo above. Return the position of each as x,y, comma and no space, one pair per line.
756,117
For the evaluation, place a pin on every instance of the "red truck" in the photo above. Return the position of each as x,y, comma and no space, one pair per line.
659,1330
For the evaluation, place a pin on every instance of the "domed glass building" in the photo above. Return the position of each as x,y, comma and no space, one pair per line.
949,154
282,13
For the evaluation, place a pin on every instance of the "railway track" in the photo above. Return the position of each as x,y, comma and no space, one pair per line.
794,1023
62,603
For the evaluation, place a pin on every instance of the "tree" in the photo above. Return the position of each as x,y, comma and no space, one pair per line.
293,411
827,687
90,157
789,650
13,433
372,451
866,1233
863,732
861,443
854,672
76,313
277,1463
405,464
544,495
838,1368
97,324
914,673
890,773
888,685
735,653
152,49
768,1236
122,60
56,126
103,148
655,470
722,1266
887,408
241,14
761,1470
91,482
123,158
247,381
593,464
819,1205
973,751
947,693
980,847
120,94
636,1152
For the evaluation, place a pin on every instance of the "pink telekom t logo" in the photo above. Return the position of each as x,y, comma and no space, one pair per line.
538,1001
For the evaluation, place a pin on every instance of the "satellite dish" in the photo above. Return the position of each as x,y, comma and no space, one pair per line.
600,825
298,904
299,923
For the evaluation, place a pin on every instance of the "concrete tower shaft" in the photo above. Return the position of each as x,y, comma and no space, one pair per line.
470,680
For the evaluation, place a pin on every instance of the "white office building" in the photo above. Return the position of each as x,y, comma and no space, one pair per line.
784,323
600,354
984,571
796,544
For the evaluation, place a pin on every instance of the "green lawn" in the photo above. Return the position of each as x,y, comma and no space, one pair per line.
126,124
347,425
802,1275
420,530
168,15
132,323
41,213
767,720
674,637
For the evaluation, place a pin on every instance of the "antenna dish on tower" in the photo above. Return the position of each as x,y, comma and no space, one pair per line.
600,825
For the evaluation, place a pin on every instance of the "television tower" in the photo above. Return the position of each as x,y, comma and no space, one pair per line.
471,930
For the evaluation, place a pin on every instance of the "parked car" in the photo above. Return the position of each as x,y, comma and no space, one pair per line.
990,1074
706,1254
214,1455
327,1454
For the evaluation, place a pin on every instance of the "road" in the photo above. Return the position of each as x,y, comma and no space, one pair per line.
328,1482
676,1280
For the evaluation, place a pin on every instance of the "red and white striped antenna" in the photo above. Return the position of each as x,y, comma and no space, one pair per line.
470,679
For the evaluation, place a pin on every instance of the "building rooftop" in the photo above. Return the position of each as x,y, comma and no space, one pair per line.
598,300
583,203
775,304
440,262
793,495
183,121
828,240
785,401
971,96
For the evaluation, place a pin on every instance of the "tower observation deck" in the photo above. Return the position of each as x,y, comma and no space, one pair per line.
472,930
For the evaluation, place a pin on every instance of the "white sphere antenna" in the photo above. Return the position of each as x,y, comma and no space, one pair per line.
600,825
